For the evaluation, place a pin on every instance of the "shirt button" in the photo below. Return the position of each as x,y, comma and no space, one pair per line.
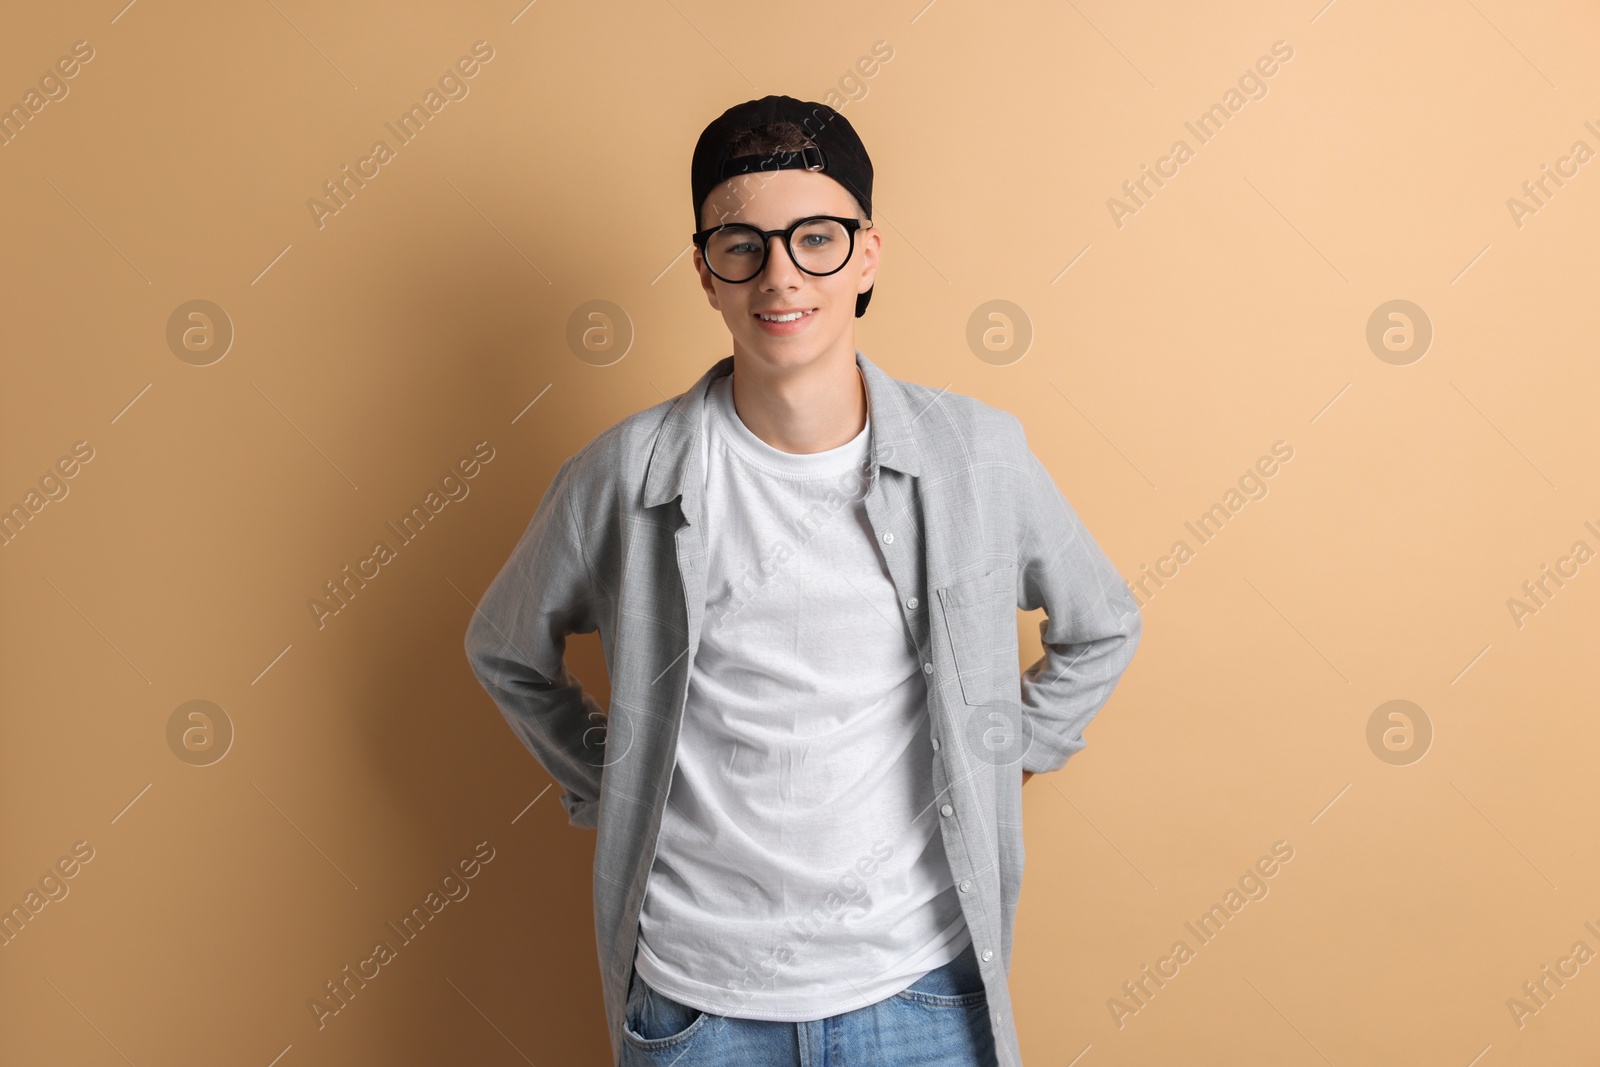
927,668
888,538
912,603
966,885
988,954
947,810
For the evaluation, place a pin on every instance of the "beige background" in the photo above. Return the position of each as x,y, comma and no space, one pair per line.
372,353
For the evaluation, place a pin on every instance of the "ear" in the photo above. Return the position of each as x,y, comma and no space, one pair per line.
869,246
707,280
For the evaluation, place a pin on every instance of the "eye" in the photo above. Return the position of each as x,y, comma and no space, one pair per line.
736,241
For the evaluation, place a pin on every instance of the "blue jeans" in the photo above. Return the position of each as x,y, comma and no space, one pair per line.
941,1020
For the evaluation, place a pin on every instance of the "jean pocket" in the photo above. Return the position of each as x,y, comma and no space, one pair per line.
956,984
944,1000
656,1023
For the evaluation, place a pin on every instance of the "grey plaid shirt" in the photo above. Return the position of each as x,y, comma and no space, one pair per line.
972,528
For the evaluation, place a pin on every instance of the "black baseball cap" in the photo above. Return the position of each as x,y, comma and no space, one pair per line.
838,153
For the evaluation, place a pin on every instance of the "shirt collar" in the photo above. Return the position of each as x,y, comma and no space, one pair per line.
893,444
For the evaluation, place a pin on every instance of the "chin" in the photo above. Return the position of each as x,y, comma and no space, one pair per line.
786,354
789,351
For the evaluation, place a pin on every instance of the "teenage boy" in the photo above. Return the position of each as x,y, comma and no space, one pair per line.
805,574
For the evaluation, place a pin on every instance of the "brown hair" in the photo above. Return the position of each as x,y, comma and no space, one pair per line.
771,137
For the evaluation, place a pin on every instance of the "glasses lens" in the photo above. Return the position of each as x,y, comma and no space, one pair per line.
734,253
821,246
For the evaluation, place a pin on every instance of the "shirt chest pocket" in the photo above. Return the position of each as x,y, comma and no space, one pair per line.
980,617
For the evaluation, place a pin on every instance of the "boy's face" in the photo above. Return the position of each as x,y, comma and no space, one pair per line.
771,201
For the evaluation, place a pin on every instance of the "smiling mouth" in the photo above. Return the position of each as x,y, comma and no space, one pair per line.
791,316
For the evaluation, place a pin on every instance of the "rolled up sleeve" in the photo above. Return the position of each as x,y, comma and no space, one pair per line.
516,644
1092,624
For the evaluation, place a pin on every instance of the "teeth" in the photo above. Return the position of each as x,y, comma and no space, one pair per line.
783,318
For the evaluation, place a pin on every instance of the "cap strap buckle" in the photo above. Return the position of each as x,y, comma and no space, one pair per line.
810,157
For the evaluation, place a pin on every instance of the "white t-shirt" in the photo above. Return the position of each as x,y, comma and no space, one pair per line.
800,871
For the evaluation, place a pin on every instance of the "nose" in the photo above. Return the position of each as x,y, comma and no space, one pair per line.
780,268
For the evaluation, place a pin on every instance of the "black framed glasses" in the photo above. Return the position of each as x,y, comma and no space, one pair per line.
819,245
